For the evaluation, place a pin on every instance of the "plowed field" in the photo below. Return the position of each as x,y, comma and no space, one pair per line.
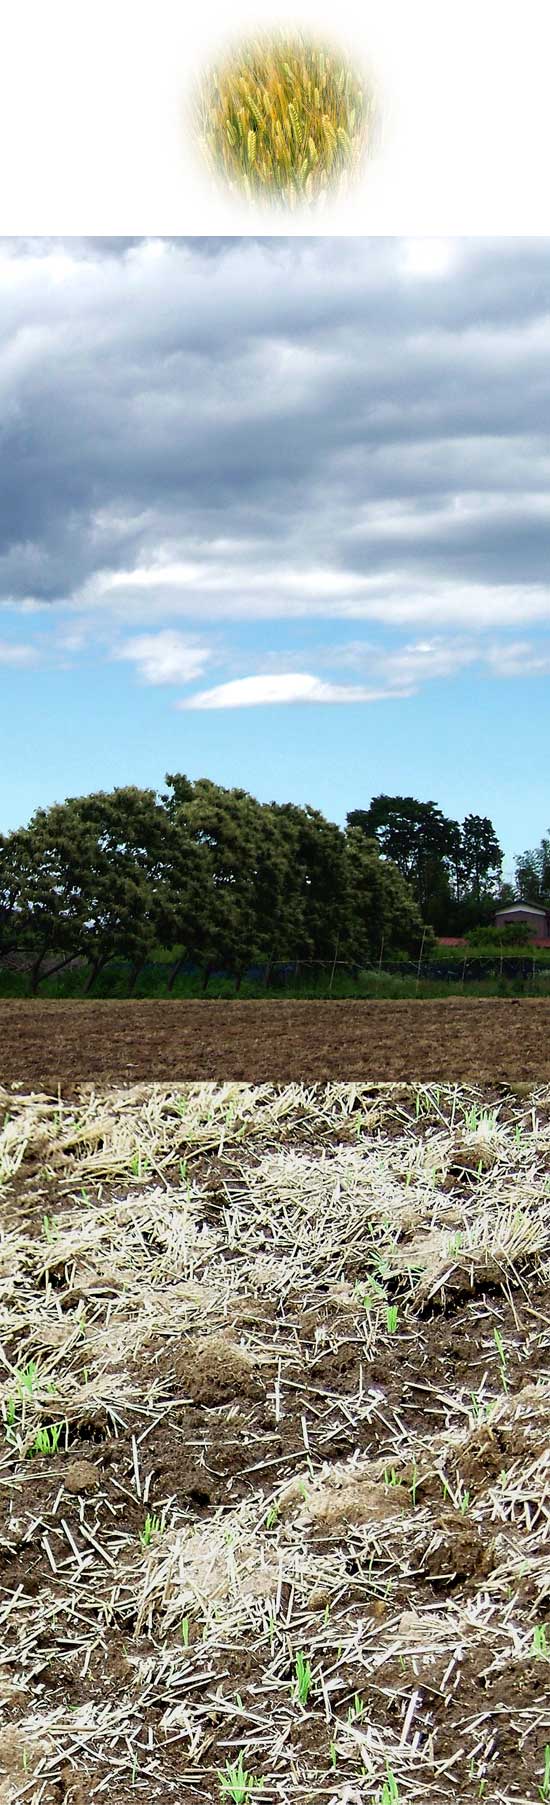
274,1445
46,1043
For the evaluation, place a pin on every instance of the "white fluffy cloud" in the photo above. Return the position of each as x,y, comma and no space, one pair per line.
290,686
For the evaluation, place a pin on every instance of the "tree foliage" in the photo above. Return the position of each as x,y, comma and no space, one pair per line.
230,882
533,874
452,869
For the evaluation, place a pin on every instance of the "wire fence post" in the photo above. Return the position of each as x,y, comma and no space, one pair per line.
464,964
381,952
334,965
425,930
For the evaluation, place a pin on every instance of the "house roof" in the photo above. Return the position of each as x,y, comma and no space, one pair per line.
523,908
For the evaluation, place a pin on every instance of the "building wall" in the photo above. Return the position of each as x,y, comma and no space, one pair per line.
539,924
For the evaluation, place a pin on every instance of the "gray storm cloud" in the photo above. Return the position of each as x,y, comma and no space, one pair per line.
282,426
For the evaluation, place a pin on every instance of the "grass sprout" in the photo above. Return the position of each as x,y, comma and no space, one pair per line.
46,1440
152,1526
303,1679
389,1794
236,1784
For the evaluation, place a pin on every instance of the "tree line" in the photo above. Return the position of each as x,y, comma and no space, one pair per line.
229,881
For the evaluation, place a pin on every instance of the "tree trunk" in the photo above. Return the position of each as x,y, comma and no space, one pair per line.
137,967
61,963
36,971
97,966
175,972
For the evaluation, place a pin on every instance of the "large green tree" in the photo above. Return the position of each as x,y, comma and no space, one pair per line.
452,868
383,916
533,874
481,856
418,838
92,876
224,827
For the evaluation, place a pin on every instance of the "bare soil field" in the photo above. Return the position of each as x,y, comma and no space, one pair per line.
274,1443
44,1044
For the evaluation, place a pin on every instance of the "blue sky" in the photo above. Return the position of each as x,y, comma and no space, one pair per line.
276,512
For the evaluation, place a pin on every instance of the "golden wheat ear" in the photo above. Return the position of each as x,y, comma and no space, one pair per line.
284,119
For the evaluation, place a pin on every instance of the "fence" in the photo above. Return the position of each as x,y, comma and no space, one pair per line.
472,969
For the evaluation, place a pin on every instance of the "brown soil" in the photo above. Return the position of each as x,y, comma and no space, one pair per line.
46,1043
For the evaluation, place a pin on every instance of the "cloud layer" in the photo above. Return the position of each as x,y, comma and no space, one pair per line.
199,434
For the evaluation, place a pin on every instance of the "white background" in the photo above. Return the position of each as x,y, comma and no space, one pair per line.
93,138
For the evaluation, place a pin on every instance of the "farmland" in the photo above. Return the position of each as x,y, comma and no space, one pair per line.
274,1469
45,1043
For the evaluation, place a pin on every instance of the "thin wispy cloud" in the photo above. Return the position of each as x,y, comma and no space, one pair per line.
19,656
164,657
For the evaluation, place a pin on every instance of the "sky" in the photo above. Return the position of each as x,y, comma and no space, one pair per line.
275,511
96,124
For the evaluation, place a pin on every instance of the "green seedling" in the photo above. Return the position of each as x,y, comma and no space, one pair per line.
236,1784
390,1790
303,1679
464,1503
499,1344
302,1487
26,1380
381,1264
540,1644
46,1440
481,1408
391,1477
10,1411
85,1195
185,1631
545,1788
370,1294
272,1517
332,1754
49,1227
356,1710
139,1164
152,1526
392,1318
